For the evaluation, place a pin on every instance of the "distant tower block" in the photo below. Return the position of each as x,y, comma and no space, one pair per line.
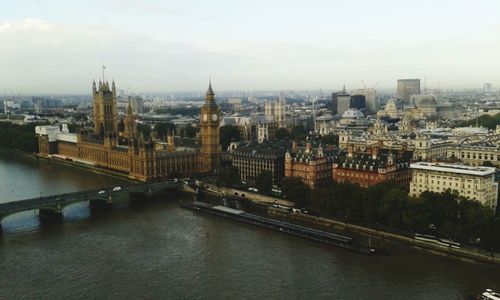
407,88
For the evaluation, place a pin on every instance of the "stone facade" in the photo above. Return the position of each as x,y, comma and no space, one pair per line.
126,152
475,155
475,183
251,160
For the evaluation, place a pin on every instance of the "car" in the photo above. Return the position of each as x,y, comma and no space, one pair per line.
252,189
102,192
117,188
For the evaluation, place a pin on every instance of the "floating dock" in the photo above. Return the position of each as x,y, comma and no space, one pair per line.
293,229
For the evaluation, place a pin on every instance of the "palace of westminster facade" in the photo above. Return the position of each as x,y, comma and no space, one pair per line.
124,150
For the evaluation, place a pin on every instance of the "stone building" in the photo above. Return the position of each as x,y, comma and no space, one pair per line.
475,183
475,155
313,166
252,159
127,152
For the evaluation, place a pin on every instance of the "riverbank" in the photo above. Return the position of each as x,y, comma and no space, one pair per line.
72,164
462,254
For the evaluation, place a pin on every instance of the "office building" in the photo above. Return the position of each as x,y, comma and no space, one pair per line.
474,183
407,88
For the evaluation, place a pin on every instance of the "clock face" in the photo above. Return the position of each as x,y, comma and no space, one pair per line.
205,117
215,117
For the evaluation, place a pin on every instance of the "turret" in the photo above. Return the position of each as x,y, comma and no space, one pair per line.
320,151
210,96
94,89
170,140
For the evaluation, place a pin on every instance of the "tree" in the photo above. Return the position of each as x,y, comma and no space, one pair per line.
228,134
162,129
144,129
229,175
331,139
296,190
190,131
299,132
281,134
264,182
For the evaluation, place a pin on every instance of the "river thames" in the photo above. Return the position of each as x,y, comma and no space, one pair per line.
160,251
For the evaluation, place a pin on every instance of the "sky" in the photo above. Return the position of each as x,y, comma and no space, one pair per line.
58,47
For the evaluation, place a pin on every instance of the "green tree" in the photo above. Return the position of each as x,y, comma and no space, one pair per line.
20,137
162,129
144,130
296,191
228,134
299,132
264,182
190,131
228,175
281,134
330,139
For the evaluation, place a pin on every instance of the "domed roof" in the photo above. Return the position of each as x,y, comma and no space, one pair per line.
352,113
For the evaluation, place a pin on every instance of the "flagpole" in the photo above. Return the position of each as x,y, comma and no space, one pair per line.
103,67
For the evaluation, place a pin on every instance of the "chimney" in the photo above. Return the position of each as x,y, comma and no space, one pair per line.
350,150
170,141
308,147
375,151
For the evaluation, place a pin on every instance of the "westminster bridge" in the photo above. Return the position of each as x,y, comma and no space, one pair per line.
51,207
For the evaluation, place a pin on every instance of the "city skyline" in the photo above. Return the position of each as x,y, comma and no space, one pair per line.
160,46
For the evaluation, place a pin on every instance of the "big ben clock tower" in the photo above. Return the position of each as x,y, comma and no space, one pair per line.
210,132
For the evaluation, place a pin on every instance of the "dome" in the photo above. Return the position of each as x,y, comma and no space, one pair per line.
391,105
352,113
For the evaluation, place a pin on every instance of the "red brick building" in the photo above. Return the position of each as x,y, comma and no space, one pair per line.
374,166
313,166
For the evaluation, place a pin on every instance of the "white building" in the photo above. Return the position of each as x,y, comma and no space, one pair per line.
475,183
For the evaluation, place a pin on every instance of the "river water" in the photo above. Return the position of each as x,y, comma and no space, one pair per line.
160,251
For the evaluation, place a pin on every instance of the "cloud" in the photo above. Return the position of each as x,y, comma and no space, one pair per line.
39,56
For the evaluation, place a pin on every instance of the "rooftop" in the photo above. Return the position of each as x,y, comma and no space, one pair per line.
453,168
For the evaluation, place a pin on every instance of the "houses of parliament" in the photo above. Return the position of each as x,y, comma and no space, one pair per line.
116,145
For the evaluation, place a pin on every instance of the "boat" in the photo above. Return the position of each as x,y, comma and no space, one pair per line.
300,231
489,295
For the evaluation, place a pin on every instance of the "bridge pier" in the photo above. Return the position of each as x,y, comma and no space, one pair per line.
101,203
50,214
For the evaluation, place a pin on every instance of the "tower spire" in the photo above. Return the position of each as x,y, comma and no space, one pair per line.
210,93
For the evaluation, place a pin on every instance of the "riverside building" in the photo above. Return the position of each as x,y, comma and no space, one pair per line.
126,151
313,166
475,183
375,165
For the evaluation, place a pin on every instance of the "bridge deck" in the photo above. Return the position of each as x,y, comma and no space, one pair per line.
8,208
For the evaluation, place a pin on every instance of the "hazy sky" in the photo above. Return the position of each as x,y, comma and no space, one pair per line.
59,46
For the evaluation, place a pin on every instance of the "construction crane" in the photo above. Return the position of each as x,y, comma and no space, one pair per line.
373,87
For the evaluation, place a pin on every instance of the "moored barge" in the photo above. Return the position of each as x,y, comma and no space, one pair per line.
285,227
